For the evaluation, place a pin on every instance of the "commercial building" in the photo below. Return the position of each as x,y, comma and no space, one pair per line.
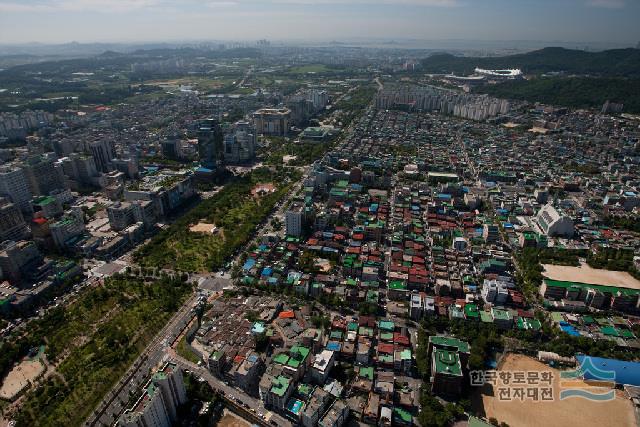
210,144
65,229
128,166
171,147
17,259
553,223
14,185
121,215
103,153
167,191
47,206
43,176
272,121
12,225
294,220
240,143
80,169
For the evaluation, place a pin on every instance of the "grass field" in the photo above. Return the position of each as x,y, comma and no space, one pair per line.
185,351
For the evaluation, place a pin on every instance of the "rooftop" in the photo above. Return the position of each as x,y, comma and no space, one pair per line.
447,362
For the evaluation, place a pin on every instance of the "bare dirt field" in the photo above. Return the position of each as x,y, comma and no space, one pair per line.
20,377
593,276
578,412
203,227
229,419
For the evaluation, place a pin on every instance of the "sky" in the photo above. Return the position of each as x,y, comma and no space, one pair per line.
60,21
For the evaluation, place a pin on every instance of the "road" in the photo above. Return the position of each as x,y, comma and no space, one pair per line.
232,394
115,401
380,85
245,78
265,227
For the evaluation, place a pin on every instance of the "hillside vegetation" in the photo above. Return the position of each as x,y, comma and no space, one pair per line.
614,62
576,92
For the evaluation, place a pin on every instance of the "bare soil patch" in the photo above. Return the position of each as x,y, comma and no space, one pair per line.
592,276
572,412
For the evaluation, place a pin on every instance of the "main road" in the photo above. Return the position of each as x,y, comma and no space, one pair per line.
236,396
114,403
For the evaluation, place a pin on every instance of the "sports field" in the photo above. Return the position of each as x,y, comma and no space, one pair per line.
229,419
592,276
20,377
572,412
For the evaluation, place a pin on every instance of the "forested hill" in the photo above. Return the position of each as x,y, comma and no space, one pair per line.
614,62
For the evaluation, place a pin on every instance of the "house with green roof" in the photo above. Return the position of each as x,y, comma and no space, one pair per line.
298,361
280,390
386,325
449,357
471,311
502,318
486,317
397,290
366,372
527,324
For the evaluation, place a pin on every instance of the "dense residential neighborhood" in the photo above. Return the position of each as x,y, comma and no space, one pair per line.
343,242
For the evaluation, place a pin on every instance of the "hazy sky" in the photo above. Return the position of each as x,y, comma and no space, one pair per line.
57,21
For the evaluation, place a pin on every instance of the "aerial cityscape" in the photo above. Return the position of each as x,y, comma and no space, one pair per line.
292,213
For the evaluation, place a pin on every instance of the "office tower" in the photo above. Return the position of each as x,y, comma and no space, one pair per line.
293,220
18,259
12,225
80,168
65,229
144,211
272,121
128,166
240,143
210,144
121,215
103,152
14,186
171,147
43,176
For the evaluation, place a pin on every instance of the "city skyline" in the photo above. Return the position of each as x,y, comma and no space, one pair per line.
571,21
